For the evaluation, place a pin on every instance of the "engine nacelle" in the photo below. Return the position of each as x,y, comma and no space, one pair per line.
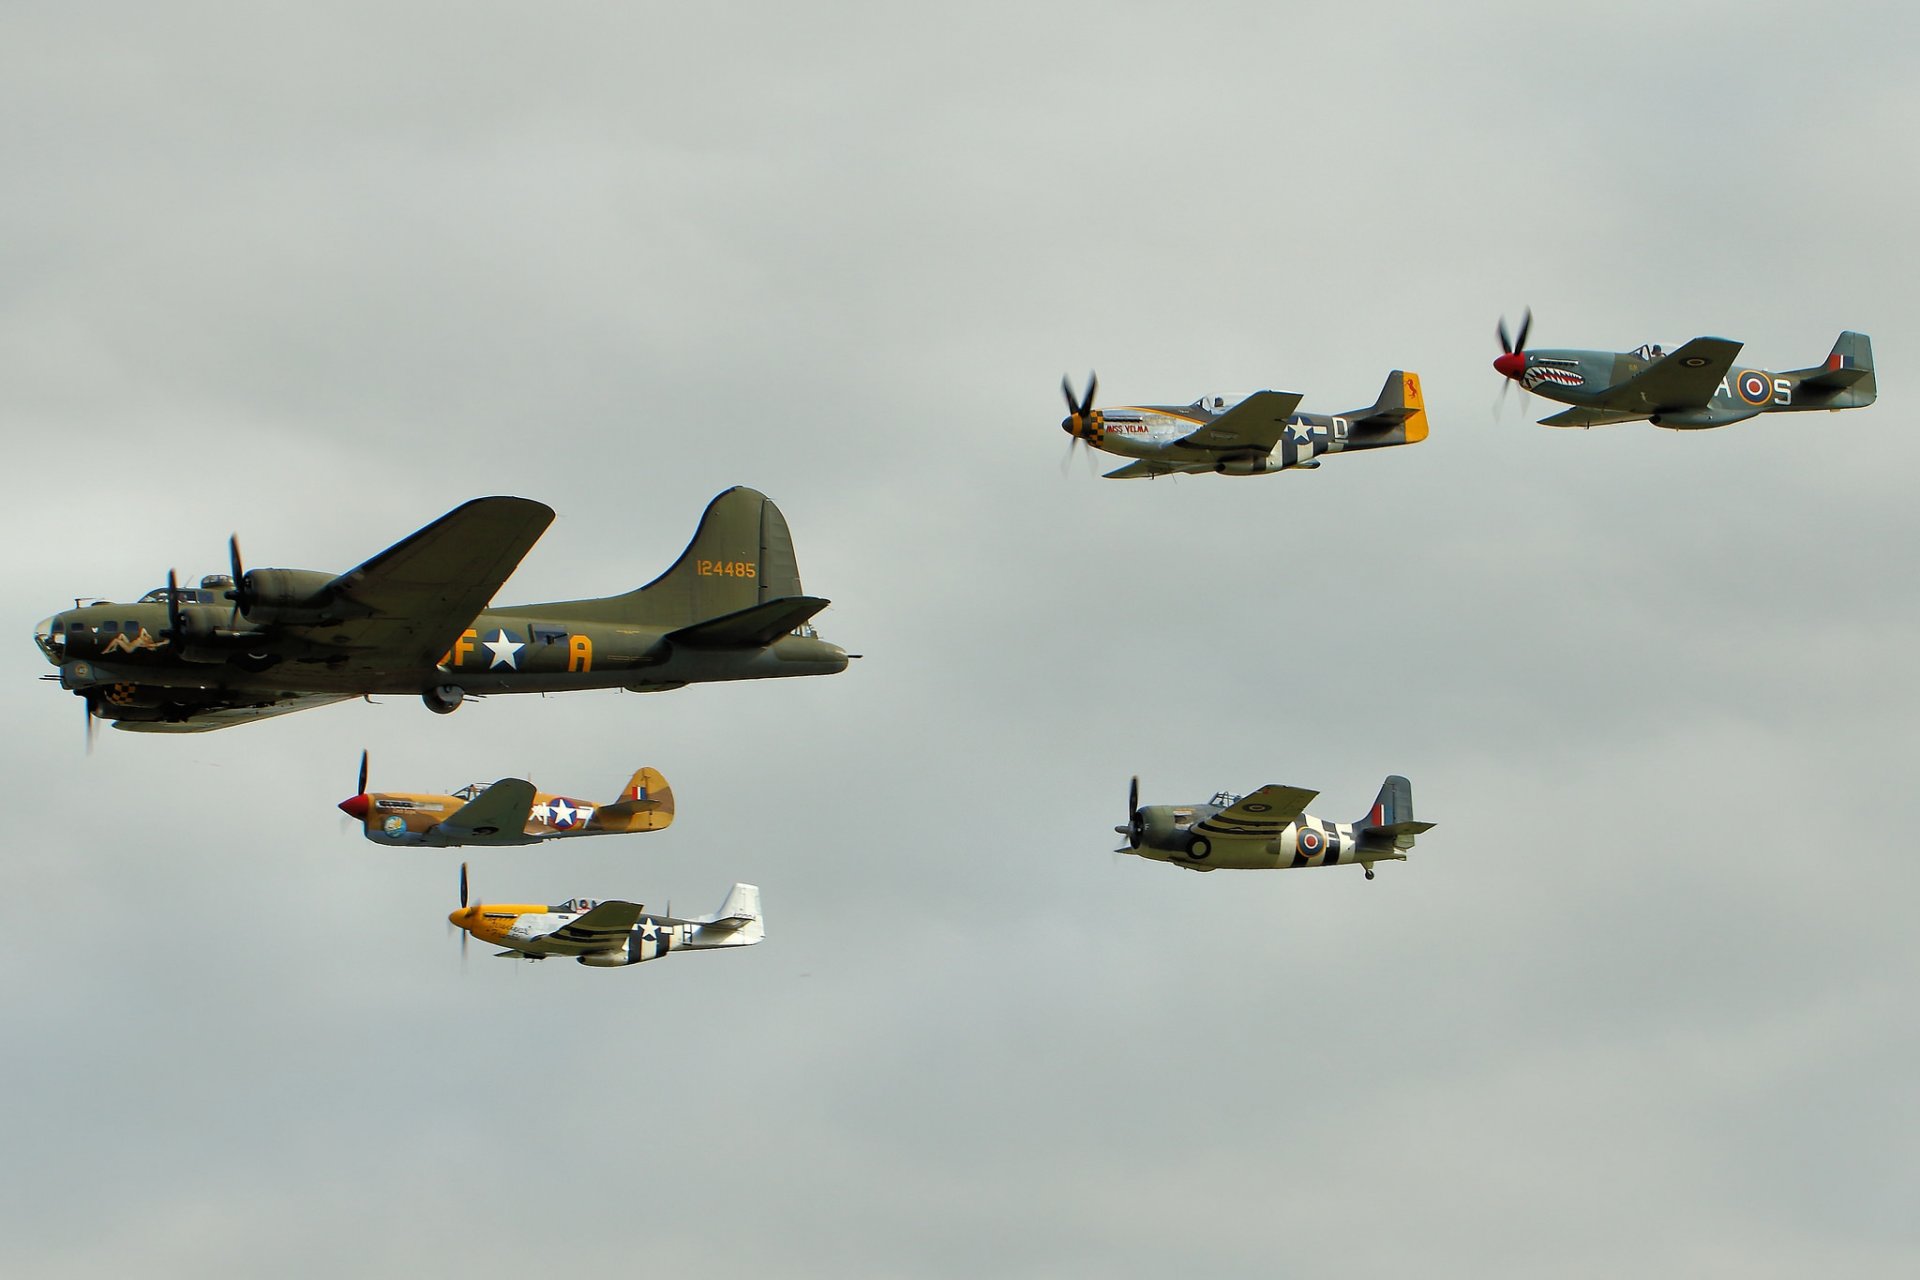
286,595
443,699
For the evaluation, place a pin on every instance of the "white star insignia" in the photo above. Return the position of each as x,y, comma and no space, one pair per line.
1300,433
561,814
505,650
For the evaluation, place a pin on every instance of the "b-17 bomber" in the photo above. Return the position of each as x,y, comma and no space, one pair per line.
1241,435
415,619
1270,828
508,812
1695,385
607,935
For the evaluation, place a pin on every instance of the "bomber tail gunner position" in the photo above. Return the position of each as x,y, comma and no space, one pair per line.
1270,828
1242,436
1693,386
414,620
607,935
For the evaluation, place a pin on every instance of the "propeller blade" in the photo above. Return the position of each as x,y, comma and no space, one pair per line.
1526,323
361,788
175,629
241,605
1133,796
1093,385
463,884
93,729
1066,389
1136,829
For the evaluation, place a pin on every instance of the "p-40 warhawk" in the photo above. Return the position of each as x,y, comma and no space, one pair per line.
1248,436
607,935
415,620
1693,386
1270,828
506,812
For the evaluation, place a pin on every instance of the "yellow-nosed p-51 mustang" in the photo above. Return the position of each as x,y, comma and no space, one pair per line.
506,812
415,619
607,935
1241,435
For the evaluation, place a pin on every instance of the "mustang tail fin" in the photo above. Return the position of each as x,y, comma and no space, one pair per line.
740,565
1389,828
1399,416
645,805
736,924
1845,381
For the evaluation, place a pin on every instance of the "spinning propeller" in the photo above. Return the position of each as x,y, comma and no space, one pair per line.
356,805
454,921
1513,355
1136,829
243,600
1083,422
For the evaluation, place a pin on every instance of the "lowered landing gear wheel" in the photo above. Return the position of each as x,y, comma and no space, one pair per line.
1369,873
443,699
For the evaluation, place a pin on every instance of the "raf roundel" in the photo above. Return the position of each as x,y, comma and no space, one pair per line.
1755,388
1310,841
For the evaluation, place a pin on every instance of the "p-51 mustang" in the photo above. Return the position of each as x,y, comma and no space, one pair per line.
1270,828
507,812
607,935
1696,385
1247,436
414,619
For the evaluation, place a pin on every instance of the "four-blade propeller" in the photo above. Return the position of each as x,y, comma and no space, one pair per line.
1082,423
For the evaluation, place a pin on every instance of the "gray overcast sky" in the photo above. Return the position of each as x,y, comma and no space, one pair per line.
1641,1002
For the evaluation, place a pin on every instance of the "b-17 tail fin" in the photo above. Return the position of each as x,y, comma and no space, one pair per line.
739,563
1390,825
1845,381
1399,416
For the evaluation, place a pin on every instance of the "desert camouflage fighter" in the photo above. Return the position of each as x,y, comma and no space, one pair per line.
1696,385
1270,828
415,620
1241,436
607,935
506,812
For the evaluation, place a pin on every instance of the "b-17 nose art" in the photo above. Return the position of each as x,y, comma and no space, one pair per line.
507,812
607,935
415,620
1693,386
1241,435
1270,829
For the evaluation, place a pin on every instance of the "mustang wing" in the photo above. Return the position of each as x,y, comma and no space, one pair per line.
601,929
226,717
405,607
501,809
1592,418
1156,467
1266,812
1683,379
1254,423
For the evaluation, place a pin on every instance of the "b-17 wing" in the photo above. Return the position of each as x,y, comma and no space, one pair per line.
225,717
1256,423
501,809
1682,379
406,606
